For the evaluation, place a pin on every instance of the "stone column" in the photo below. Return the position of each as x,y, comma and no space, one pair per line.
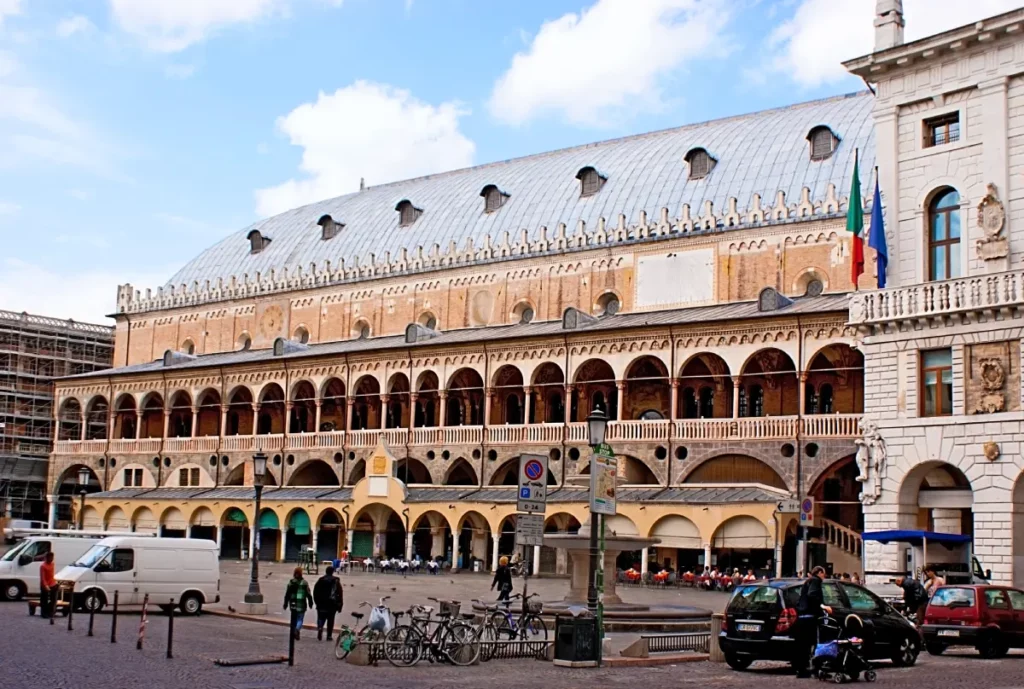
316,417
736,397
255,418
413,401
84,424
223,420
195,421
620,386
536,560
436,542
52,520
376,550
384,400
350,536
111,418
527,403
947,521
561,561
138,425
644,556
673,390
167,422
350,403
494,551
314,534
488,403
282,545
408,545
568,393
443,421
707,554
802,392
288,407
455,550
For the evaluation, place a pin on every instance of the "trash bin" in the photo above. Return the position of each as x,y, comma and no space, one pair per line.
576,638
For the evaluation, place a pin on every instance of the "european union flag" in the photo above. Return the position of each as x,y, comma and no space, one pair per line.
876,240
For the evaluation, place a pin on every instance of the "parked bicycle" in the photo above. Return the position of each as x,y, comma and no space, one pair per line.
450,640
528,626
350,637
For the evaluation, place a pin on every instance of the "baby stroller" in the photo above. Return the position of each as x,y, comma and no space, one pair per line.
837,656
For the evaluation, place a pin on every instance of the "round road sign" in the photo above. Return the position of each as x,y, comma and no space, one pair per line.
533,470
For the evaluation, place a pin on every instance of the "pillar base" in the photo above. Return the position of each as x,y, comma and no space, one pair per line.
253,608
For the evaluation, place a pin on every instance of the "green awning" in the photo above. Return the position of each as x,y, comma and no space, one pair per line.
299,523
236,515
268,520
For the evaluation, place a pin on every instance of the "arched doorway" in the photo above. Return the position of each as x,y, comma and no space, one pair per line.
203,524
507,537
298,535
594,389
548,393
173,524
234,535
116,520
329,535
743,543
474,541
269,532
835,381
465,399
840,516
431,537
680,549
633,472
144,521
508,405
366,410
705,388
768,385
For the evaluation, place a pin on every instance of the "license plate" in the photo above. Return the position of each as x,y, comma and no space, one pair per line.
748,627
949,632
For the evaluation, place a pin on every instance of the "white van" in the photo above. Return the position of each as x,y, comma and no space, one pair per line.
19,566
179,571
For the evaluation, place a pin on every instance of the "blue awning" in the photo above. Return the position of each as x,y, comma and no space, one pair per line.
916,537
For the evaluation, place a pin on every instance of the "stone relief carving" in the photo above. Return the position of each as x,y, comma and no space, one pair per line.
993,377
991,220
870,458
991,451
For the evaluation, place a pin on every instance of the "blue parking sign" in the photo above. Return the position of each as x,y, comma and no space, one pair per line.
524,492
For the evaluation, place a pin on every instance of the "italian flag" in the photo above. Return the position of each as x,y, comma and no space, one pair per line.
855,223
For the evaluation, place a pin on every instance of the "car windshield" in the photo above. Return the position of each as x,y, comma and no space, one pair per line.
13,552
92,556
948,595
754,599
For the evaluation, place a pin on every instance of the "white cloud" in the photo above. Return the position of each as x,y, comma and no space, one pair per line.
9,8
80,194
69,26
608,60
809,48
179,71
169,26
366,130
8,208
86,296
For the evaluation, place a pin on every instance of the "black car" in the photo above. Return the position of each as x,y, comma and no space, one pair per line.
760,618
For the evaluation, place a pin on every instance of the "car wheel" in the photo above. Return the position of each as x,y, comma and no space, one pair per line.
906,652
191,604
738,662
14,590
992,646
934,648
92,601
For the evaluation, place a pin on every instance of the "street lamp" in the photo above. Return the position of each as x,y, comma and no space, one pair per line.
83,481
259,467
597,423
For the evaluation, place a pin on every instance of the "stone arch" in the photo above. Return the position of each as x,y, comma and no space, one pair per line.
314,472
635,471
92,520
428,405
432,534
67,481
333,408
676,532
768,384
151,416
594,388
69,419
116,520
705,387
745,543
648,391
620,525
302,418
240,414
399,401
366,407
173,523
298,532
97,417
412,470
834,380
508,405
465,405
474,538
144,521
208,404
548,394
357,472
944,484
270,419
733,469
179,424
192,474
126,416
202,524
460,473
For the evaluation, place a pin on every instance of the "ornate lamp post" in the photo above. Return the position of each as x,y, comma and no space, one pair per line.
259,467
83,481
597,423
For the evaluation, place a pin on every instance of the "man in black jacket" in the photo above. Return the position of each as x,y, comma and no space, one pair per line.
809,610
914,596
328,597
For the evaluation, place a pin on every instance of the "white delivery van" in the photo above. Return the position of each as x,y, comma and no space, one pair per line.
16,525
19,566
182,571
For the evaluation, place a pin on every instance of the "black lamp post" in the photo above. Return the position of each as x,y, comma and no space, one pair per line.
259,468
83,481
597,423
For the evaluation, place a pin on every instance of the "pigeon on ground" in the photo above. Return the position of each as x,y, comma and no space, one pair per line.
393,588
230,609
268,575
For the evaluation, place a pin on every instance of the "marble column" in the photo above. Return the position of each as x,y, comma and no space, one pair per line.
255,418
673,387
223,421
408,545
52,500
535,570
316,418
85,422
349,538
349,406
413,401
443,395
707,554
527,404
736,397
488,403
494,551
455,550
195,422
620,411
644,557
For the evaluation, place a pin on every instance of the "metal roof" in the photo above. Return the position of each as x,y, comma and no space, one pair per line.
759,153
826,303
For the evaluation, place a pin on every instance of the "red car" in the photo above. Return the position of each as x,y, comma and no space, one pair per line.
990,618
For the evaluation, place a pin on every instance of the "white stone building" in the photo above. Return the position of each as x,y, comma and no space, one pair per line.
942,344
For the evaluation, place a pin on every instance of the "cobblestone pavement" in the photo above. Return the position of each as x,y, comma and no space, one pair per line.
36,654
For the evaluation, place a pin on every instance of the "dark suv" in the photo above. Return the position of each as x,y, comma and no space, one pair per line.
990,618
759,623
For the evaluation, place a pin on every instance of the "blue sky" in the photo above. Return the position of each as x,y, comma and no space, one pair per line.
135,133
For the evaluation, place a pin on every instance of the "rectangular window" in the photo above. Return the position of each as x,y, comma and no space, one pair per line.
194,476
132,478
183,477
937,382
943,129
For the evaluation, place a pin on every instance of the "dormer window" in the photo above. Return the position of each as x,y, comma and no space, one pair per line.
591,181
701,163
494,198
407,213
823,143
257,242
329,227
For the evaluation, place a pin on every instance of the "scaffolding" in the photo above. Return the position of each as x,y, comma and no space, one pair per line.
34,351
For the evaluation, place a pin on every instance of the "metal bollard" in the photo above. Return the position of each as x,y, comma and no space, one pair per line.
113,622
92,617
170,629
49,608
291,638
142,622
71,608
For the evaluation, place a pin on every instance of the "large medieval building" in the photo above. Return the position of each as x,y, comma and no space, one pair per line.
395,350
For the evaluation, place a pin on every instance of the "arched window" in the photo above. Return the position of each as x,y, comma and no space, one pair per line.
701,163
823,143
189,347
494,198
244,342
944,236
591,181
301,335
361,330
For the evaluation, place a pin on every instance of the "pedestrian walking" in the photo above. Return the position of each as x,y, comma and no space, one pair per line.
298,598
329,598
47,587
503,579
915,598
810,609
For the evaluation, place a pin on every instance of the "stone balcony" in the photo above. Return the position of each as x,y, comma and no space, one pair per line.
993,293
827,426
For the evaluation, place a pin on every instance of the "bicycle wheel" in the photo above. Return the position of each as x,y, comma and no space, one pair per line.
488,637
347,640
533,628
460,644
402,646
502,626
